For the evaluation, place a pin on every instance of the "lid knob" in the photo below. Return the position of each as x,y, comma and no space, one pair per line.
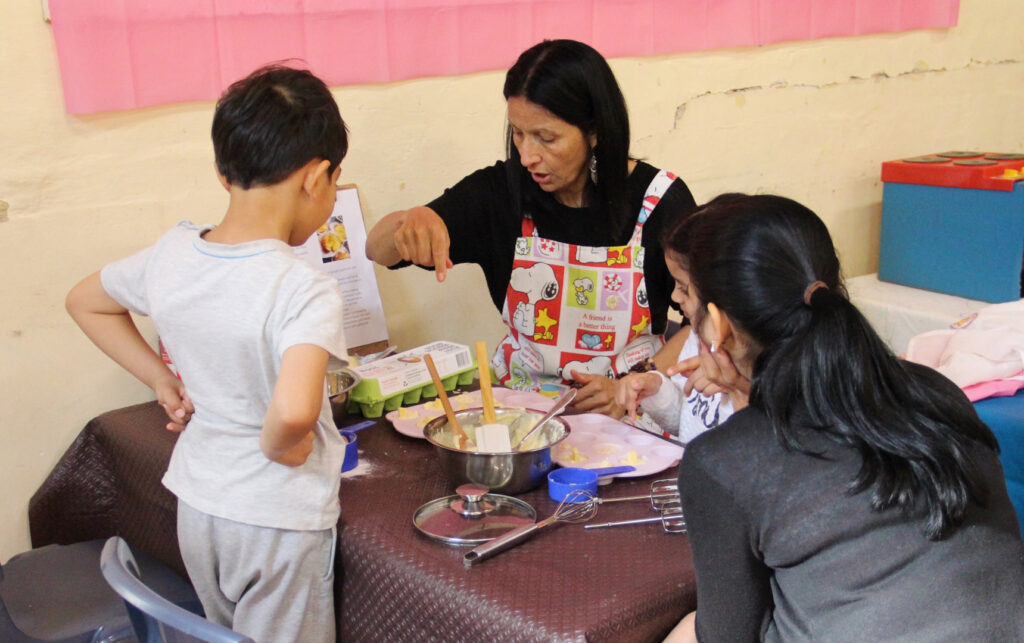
472,503
472,492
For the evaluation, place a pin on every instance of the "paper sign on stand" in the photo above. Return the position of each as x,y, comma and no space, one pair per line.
338,248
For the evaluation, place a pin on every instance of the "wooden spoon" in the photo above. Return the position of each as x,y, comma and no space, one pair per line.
483,364
460,435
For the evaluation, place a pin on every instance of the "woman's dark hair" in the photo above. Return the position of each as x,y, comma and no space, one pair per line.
574,82
273,122
755,257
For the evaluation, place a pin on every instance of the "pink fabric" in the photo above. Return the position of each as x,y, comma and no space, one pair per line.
995,388
987,348
124,54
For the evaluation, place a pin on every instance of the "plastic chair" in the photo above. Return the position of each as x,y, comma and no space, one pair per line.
153,617
56,594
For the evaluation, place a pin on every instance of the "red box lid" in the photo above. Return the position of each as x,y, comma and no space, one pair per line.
958,169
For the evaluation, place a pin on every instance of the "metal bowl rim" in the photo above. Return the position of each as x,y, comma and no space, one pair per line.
443,418
356,379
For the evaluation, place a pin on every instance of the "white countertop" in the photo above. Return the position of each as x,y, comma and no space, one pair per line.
900,312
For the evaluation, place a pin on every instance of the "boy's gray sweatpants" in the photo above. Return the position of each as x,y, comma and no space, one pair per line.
273,585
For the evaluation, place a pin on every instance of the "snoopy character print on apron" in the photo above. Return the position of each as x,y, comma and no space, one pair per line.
581,308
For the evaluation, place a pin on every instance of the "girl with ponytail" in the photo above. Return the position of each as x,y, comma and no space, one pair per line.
857,496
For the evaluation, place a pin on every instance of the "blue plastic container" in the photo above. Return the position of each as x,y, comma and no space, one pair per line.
960,241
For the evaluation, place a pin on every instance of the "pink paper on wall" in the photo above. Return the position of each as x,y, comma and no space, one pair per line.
173,51
123,54
353,38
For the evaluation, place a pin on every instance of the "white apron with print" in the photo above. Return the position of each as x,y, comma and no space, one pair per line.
581,308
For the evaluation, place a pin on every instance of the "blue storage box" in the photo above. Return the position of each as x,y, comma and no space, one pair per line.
1005,416
954,223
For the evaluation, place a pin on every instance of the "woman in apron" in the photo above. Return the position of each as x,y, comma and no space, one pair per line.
566,229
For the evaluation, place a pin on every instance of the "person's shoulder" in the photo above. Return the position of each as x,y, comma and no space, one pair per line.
749,423
302,285
183,230
691,345
490,177
644,172
739,455
177,239
484,190
300,271
745,433
677,198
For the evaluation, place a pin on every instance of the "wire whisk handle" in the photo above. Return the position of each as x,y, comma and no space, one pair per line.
578,506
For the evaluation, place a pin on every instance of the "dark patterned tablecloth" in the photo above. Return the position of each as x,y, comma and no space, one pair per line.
628,583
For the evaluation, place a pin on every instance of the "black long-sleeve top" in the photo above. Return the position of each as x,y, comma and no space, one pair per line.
484,224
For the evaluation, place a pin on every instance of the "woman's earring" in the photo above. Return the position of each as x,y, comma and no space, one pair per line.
593,168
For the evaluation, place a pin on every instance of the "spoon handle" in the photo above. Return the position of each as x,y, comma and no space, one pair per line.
486,395
558,407
460,434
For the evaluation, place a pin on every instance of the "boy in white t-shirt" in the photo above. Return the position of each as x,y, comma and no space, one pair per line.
251,329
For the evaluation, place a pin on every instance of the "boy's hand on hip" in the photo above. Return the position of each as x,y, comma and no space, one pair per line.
171,395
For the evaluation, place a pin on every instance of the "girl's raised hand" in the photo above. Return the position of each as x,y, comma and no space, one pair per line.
693,371
714,372
633,388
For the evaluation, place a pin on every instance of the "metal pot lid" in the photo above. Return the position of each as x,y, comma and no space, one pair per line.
472,516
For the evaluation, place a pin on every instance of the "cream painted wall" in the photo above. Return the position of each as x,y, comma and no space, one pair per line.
809,120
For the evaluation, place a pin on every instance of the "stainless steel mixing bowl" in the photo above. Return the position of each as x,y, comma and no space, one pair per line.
339,383
508,473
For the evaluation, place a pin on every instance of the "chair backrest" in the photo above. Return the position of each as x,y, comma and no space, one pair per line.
154,618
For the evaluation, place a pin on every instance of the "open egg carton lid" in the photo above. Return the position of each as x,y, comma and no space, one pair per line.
403,378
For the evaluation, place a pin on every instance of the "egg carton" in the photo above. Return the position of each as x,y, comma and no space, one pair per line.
403,378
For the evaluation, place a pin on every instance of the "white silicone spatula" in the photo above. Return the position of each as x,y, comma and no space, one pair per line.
491,437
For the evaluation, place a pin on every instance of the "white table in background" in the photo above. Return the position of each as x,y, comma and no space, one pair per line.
900,312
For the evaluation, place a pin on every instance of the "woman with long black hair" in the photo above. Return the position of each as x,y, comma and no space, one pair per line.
567,230
858,496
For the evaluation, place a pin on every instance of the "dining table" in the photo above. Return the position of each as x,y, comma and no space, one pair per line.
566,583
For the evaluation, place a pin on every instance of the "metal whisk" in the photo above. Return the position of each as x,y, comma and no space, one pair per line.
670,515
577,506
664,491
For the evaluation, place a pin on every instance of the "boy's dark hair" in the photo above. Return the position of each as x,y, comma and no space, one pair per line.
273,122
574,82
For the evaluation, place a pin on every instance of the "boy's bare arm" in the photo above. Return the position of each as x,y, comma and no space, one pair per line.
110,326
287,435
